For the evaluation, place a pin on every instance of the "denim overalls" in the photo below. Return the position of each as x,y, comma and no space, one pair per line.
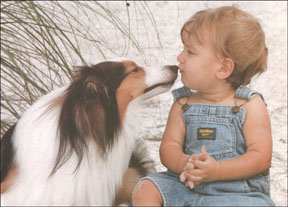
220,130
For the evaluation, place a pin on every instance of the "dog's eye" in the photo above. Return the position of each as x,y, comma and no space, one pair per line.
136,70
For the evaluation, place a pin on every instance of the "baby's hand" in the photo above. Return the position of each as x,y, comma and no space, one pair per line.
205,168
191,181
183,177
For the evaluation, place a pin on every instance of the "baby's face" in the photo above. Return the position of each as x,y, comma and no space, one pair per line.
198,63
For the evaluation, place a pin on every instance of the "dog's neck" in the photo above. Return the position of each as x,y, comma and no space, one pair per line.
88,183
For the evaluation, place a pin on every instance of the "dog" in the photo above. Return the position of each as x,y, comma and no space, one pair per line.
77,144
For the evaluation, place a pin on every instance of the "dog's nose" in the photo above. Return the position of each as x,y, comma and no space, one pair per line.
174,68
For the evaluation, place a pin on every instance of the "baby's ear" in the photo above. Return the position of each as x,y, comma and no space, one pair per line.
227,67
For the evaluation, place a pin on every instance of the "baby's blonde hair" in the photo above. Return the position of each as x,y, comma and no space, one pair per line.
234,34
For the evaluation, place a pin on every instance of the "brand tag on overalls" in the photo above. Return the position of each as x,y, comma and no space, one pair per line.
206,133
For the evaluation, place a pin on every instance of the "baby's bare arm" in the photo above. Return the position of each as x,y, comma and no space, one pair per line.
257,134
171,148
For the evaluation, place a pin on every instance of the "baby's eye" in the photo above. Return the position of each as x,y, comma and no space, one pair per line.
190,52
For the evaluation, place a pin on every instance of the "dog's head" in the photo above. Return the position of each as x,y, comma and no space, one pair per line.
97,99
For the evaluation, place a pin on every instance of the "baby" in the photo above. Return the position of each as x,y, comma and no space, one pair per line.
217,145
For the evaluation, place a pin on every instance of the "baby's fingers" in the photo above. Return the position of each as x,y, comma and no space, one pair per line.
190,184
189,168
199,164
194,172
204,154
193,157
182,177
192,178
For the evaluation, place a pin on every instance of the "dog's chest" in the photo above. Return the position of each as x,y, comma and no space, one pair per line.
101,180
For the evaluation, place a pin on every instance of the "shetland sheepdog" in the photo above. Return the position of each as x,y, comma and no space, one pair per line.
77,145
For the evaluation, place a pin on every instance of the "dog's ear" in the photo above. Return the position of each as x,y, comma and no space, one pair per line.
91,83
77,72
92,86
94,89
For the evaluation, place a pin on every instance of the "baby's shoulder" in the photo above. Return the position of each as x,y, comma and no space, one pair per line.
254,102
256,109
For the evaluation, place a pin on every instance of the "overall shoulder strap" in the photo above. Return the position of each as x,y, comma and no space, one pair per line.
181,92
247,93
